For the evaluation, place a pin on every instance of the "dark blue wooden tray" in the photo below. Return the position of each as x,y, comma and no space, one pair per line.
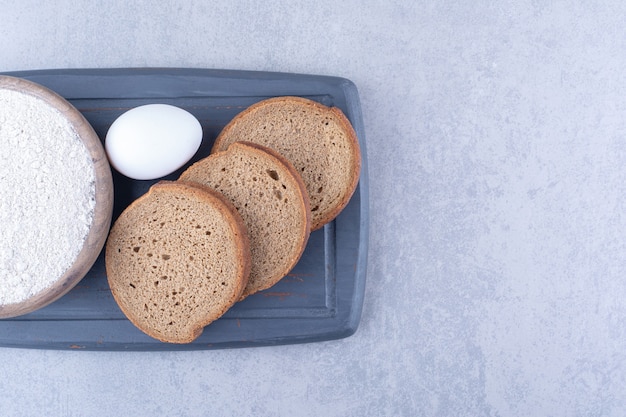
321,299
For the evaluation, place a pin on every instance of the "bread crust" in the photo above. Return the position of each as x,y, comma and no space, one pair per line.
319,219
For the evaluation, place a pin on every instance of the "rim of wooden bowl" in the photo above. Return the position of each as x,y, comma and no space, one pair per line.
103,209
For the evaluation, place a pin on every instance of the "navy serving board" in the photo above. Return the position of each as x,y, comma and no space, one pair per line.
321,299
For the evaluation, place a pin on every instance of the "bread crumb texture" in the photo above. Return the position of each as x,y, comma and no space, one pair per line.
176,260
272,200
318,140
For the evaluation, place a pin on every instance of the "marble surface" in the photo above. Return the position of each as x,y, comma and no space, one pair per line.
496,275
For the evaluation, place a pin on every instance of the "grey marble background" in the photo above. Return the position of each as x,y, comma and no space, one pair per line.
496,136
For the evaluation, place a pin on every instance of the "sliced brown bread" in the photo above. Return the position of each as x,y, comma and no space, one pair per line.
176,259
272,200
318,140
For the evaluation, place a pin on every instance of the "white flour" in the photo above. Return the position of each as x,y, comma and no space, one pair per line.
47,195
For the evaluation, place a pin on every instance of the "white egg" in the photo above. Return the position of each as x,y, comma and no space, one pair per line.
151,141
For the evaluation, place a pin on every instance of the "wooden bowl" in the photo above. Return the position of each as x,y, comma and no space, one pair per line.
103,209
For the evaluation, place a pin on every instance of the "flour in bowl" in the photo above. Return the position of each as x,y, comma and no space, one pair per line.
47,195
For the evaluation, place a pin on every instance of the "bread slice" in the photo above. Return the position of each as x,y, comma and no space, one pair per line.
271,198
318,140
176,259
